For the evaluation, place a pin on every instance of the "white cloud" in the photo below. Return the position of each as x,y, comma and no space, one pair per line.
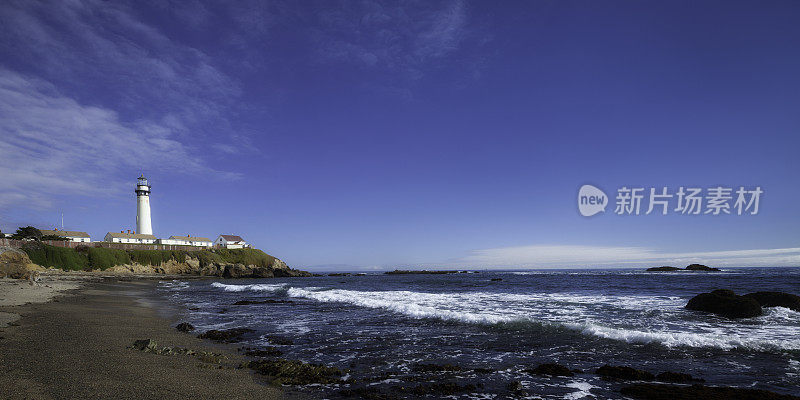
53,145
392,37
544,256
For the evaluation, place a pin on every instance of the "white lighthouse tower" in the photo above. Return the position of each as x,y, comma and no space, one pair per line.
143,225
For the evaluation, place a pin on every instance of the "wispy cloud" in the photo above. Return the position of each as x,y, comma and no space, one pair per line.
544,256
392,37
53,145
88,91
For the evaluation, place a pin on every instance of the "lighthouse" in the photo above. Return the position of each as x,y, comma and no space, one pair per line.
143,225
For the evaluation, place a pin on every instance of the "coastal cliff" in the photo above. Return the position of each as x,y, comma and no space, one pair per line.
224,263
192,266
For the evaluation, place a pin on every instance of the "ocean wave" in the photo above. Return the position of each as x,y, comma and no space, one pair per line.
515,311
259,287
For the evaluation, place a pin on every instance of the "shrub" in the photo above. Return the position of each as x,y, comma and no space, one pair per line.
103,258
156,257
57,257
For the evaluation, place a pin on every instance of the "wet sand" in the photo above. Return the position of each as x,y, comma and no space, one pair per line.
76,346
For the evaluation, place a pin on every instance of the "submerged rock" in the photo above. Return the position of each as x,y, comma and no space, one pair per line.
293,372
725,303
550,369
184,327
624,373
437,389
677,377
776,299
700,267
225,336
280,341
268,301
651,391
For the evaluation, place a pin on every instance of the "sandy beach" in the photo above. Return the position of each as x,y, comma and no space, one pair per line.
70,337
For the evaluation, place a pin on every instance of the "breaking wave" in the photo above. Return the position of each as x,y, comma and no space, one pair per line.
584,314
260,287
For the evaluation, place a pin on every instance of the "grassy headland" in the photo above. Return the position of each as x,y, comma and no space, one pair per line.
84,258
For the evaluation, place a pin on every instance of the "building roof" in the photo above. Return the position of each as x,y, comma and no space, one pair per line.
191,238
130,235
232,238
64,233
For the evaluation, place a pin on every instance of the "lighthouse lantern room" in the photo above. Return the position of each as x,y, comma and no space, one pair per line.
143,224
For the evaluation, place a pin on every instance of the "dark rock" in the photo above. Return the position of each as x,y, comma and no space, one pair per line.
340,274
265,352
514,386
236,271
497,279
280,341
700,267
293,372
662,269
677,377
436,368
776,299
484,370
725,303
144,345
225,336
550,369
624,373
418,272
184,327
651,391
261,272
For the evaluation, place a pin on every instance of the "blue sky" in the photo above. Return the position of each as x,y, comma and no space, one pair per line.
373,135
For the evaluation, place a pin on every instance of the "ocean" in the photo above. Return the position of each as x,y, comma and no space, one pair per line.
493,325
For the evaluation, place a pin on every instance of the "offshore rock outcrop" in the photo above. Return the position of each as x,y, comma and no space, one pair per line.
776,299
725,303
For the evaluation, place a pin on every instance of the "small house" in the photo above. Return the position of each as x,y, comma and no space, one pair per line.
187,241
128,237
230,242
70,236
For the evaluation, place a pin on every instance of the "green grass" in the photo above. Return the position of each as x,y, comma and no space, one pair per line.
254,257
88,258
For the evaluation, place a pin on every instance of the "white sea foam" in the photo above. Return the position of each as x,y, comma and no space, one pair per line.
573,312
583,390
259,287
587,314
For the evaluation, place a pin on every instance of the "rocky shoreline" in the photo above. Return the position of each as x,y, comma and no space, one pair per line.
440,379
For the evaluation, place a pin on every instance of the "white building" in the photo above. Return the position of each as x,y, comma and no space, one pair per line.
127,237
72,236
230,242
187,241
143,223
